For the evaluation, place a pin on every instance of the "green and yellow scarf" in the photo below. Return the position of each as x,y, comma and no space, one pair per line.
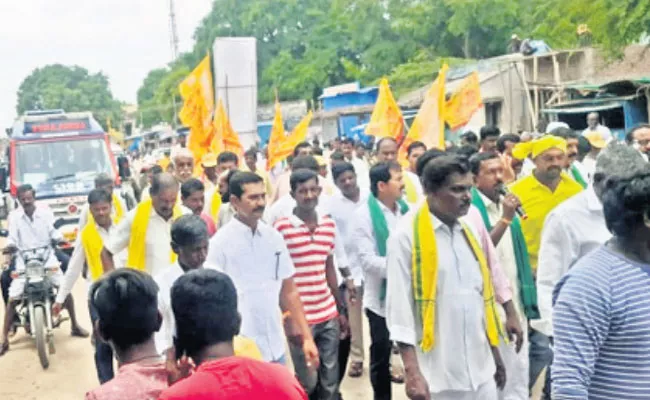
527,289
425,280
380,228
577,176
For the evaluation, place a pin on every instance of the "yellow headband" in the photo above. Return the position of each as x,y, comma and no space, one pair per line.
538,146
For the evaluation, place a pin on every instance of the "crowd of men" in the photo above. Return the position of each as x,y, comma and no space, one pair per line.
478,268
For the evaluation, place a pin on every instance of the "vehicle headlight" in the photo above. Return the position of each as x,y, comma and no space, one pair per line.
34,270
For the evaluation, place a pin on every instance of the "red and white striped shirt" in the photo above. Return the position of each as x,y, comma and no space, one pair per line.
309,251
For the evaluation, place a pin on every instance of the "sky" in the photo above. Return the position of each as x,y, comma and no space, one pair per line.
124,39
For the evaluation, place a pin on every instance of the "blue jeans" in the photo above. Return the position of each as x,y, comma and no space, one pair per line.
103,353
540,355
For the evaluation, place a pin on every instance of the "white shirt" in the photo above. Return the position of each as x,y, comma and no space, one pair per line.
571,230
83,215
78,260
362,171
39,231
226,212
258,262
157,240
164,338
367,256
343,211
505,253
461,359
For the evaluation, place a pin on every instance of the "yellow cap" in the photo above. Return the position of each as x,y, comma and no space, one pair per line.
209,160
596,139
538,146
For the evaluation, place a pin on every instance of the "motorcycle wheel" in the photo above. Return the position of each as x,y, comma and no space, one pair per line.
41,336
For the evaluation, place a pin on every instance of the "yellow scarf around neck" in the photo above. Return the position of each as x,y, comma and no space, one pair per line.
92,244
410,191
215,205
137,246
425,279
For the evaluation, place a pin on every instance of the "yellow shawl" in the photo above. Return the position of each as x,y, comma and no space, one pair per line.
92,244
215,205
137,247
410,191
425,279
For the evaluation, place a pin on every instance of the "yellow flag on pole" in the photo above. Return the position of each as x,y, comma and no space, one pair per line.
198,107
386,119
298,135
429,126
277,137
225,138
464,102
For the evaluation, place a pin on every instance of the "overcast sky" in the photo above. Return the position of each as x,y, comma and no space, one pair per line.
122,38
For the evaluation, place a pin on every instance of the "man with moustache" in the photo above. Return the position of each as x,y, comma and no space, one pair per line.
539,193
498,214
440,304
573,167
183,162
255,256
639,138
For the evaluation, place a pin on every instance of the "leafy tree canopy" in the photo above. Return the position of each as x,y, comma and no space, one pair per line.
71,88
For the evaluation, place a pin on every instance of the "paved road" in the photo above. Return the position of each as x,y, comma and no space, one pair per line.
72,371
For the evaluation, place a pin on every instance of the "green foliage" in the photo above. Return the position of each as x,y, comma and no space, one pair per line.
306,45
70,88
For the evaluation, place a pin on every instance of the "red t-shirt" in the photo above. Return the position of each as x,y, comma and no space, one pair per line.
237,378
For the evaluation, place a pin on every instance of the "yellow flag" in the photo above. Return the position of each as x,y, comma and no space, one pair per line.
429,125
464,102
198,107
386,119
276,138
298,135
224,136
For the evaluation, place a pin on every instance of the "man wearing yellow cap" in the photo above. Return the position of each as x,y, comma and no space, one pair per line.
597,143
210,176
544,189
539,193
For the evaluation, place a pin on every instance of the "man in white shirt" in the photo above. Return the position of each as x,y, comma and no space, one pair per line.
100,207
31,227
255,256
571,230
105,182
157,248
360,166
461,362
375,219
386,149
499,216
189,239
342,208
594,125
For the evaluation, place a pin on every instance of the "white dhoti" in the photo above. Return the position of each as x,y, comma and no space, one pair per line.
486,391
516,364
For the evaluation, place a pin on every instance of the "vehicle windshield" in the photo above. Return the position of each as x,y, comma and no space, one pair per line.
39,162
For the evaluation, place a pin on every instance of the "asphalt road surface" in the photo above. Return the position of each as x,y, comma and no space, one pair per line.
72,369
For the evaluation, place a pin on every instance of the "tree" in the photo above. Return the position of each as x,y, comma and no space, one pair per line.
71,88
147,105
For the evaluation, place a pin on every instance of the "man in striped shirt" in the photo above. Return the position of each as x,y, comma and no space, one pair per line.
311,239
601,306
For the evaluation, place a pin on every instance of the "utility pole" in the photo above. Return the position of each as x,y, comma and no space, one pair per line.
173,41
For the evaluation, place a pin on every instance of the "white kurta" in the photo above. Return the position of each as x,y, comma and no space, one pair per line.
461,360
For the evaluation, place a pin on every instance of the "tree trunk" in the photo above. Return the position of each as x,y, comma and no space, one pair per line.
466,49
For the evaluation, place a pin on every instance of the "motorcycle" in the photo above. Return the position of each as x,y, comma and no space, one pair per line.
34,308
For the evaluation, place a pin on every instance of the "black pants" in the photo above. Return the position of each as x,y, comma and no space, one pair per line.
380,351
344,344
5,282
